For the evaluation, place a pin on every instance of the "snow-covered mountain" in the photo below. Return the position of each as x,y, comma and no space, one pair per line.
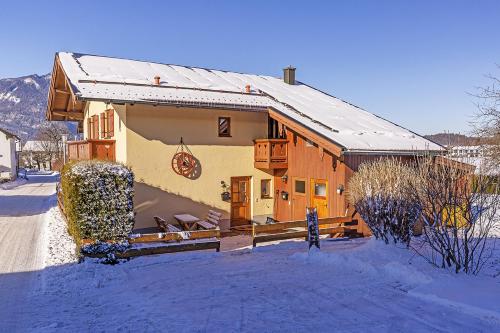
23,102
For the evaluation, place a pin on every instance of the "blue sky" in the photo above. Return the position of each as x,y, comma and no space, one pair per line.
412,62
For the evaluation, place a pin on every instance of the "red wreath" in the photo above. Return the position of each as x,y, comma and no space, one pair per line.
183,162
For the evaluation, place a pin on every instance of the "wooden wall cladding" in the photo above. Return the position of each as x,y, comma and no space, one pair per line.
307,161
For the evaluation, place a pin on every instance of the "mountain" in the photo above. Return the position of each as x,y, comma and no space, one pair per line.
23,102
453,139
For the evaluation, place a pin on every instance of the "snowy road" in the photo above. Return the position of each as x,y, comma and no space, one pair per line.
22,248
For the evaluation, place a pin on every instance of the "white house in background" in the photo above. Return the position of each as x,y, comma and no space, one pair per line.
8,154
466,151
475,155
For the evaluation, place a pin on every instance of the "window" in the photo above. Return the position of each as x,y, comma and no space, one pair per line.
299,186
224,126
265,188
107,124
320,190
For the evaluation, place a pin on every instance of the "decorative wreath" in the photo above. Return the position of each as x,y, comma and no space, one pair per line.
183,162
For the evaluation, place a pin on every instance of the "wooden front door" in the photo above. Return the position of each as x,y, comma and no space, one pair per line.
299,198
240,201
319,196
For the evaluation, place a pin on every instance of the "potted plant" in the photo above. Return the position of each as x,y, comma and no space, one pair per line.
225,195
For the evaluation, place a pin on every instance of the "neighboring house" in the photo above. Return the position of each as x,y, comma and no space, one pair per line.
276,145
476,156
9,144
465,151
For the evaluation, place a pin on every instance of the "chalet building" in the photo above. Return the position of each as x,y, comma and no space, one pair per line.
249,146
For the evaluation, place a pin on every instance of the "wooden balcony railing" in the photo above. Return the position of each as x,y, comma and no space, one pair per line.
271,154
91,150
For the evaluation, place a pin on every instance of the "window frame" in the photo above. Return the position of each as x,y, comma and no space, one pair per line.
295,187
223,135
262,195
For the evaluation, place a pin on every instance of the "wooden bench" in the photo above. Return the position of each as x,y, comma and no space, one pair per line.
164,226
335,226
211,221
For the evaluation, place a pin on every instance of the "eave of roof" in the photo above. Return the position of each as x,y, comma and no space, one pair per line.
9,134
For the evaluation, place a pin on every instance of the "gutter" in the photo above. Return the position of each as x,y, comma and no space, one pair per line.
206,105
393,152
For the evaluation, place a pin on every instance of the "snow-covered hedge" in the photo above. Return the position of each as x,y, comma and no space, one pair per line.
97,198
384,194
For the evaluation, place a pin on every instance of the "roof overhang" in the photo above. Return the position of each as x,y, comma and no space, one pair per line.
63,104
320,140
9,135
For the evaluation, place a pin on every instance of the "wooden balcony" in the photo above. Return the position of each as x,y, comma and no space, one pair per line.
271,154
91,150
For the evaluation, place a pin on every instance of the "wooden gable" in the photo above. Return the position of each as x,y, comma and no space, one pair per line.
62,104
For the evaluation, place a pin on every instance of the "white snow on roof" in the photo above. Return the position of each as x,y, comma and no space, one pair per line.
113,79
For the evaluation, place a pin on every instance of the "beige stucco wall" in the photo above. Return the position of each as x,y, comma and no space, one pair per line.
153,136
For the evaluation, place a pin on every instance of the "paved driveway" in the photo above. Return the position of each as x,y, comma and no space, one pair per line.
22,216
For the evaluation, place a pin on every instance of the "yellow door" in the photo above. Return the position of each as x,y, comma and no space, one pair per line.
319,196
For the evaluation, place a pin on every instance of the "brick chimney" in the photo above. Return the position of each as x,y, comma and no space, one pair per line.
289,75
157,80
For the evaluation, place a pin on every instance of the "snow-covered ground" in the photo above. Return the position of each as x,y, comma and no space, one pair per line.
349,286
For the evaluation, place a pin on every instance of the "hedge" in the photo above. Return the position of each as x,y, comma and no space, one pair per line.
98,200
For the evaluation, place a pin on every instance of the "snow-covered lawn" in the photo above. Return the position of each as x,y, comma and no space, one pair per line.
349,286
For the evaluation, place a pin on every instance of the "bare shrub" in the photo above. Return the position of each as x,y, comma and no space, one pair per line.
383,193
458,215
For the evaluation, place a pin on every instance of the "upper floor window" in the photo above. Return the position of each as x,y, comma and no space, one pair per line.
224,126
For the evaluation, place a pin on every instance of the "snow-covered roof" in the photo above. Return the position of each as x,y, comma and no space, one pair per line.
354,129
9,134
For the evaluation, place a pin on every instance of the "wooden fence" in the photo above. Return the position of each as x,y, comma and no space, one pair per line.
335,226
167,242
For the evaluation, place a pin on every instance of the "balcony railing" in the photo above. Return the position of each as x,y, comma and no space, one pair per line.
91,150
271,153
